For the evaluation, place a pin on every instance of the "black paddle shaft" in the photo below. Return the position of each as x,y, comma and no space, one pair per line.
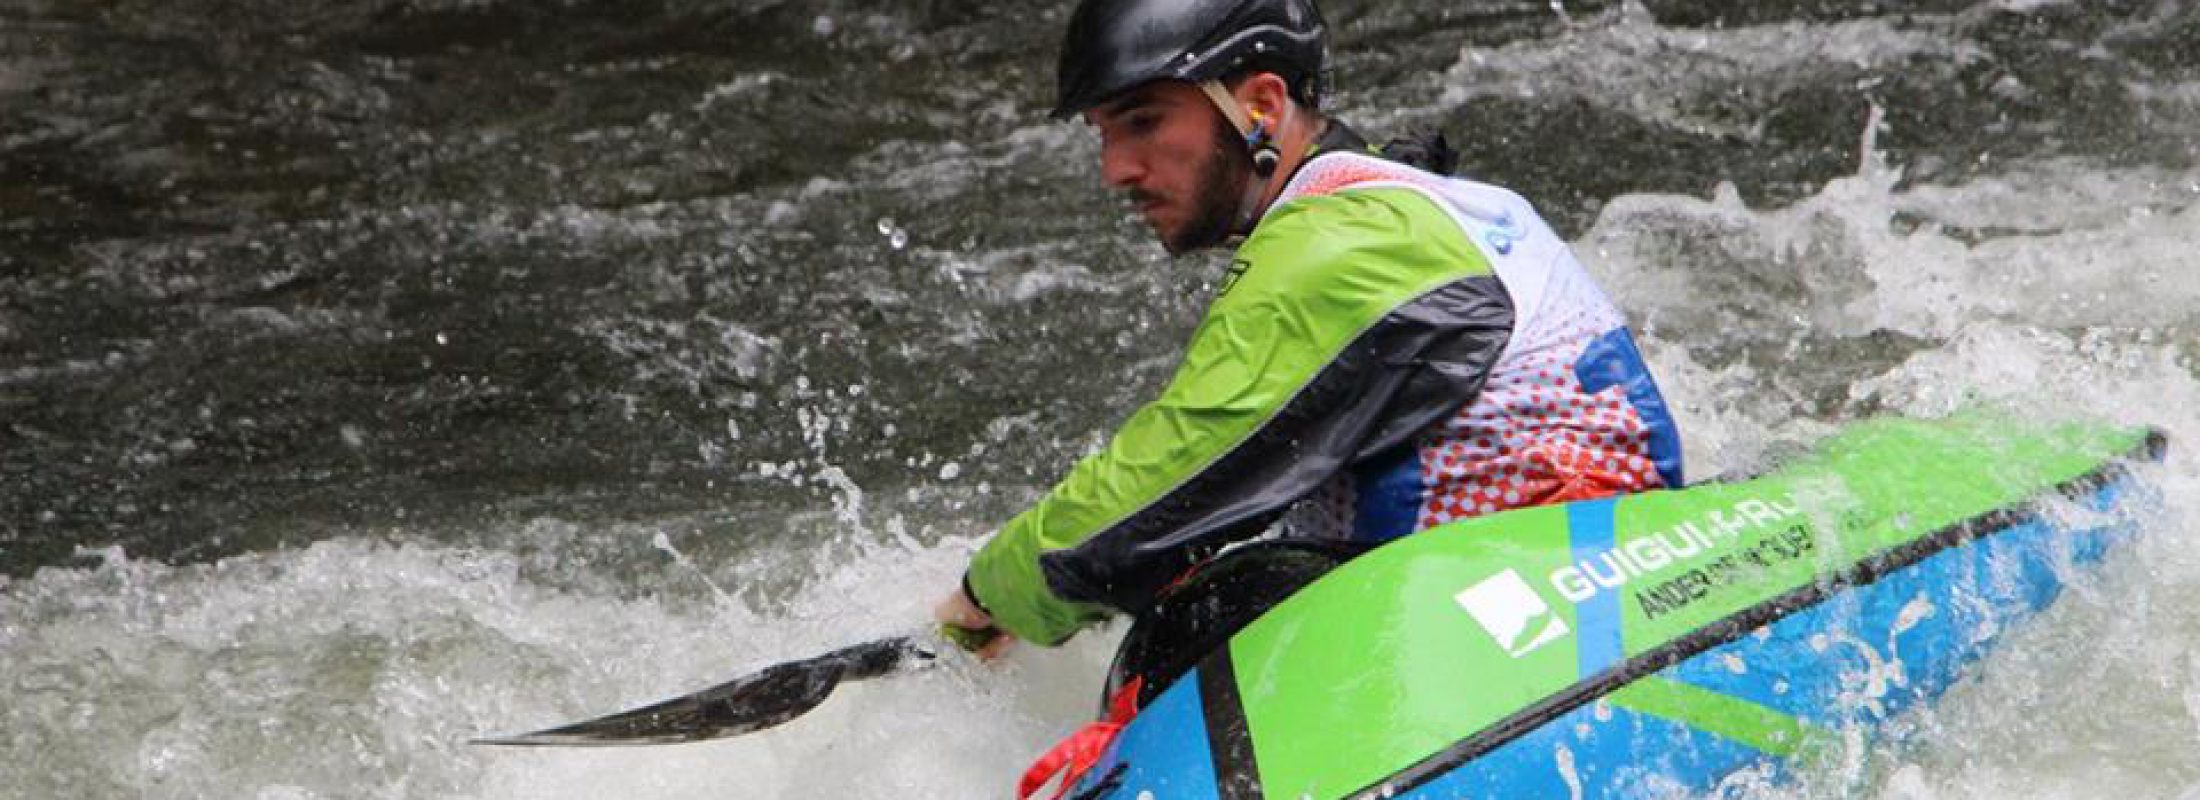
751,703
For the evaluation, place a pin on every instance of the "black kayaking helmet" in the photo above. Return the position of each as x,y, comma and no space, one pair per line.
1114,46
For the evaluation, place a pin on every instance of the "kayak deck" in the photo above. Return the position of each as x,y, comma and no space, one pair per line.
1650,643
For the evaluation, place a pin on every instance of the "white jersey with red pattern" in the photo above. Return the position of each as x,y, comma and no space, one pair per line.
1569,412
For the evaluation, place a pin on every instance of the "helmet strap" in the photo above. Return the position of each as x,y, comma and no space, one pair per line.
1260,147
1228,104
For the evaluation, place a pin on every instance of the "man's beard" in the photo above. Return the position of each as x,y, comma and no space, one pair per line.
1220,191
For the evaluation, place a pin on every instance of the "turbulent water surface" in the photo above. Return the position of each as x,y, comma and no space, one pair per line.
375,375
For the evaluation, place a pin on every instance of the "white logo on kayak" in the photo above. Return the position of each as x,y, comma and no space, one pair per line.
1682,544
1512,613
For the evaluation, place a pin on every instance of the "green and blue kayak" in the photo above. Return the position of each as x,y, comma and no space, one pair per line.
1652,643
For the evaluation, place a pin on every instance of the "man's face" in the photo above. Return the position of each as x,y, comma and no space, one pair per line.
1172,151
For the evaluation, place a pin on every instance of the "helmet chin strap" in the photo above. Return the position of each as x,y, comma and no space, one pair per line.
1260,145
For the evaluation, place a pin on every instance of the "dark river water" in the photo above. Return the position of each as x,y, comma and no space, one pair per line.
375,375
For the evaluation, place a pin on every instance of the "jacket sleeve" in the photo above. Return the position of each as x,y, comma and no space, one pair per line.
1358,320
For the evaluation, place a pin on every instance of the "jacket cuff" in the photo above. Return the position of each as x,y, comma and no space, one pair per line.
1006,581
972,594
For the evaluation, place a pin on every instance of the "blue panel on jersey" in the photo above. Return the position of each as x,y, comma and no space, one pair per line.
1389,499
1612,360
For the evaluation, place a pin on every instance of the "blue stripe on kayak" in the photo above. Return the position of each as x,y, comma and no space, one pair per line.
1167,747
1935,617
1590,522
1596,752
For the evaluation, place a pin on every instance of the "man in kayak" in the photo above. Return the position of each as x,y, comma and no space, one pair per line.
1392,349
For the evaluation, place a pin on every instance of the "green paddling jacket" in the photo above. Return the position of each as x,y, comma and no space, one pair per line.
1396,349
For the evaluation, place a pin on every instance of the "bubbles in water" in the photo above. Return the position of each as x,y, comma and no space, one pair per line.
897,237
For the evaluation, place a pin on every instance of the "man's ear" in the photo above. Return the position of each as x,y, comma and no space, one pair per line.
1264,92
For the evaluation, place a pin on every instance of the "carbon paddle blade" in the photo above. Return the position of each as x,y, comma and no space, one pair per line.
755,702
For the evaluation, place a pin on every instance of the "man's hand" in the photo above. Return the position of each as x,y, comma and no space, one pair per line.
958,611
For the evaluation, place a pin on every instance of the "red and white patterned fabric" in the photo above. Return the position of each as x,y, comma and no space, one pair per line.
1535,435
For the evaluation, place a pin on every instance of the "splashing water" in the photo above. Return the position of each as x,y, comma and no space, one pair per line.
487,394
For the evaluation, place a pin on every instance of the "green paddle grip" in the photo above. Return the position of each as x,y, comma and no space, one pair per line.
970,639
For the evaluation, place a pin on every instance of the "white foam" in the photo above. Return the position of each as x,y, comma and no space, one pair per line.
358,666
1624,60
2062,290
353,668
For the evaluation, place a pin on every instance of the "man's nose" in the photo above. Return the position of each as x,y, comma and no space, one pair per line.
1119,167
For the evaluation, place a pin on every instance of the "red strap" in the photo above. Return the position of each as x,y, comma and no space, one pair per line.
1081,751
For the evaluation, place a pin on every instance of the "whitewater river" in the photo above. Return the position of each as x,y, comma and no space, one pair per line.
379,374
